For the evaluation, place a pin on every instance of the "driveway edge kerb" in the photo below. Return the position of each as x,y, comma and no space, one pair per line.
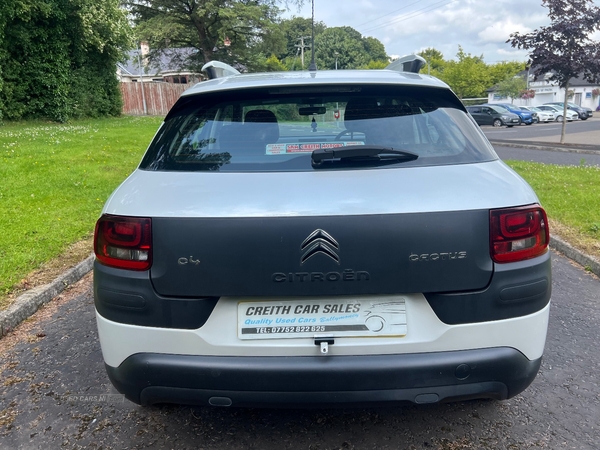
28,303
548,147
588,262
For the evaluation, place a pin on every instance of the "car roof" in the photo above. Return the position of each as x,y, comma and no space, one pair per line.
488,105
555,106
506,105
304,78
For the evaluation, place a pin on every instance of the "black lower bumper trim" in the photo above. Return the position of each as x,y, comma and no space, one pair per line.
497,373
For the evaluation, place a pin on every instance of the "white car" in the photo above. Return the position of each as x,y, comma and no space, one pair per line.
571,115
381,253
541,115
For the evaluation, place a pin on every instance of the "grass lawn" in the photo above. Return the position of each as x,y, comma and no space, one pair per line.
571,197
55,179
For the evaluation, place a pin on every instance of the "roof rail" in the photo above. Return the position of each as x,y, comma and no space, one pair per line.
218,69
408,63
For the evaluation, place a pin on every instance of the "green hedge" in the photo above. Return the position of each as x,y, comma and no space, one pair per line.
59,58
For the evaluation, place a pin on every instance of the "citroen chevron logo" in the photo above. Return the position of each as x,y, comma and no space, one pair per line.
319,241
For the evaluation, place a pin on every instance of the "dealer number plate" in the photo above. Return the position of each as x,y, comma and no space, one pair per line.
307,318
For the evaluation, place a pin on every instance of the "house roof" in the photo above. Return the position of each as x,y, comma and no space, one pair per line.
170,61
574,82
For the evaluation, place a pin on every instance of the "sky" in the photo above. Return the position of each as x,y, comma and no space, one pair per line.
480,27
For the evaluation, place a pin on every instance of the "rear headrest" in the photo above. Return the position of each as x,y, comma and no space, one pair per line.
260,115
361,109
261,128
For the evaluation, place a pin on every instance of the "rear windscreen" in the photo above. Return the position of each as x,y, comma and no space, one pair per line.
277,129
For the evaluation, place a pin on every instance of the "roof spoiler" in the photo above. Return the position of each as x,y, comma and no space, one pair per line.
408,63
218,69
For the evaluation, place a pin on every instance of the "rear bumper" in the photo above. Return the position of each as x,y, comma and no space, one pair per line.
498,373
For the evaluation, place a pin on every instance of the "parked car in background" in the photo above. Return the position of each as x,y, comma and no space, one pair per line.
571,115
225,276
540,115
581,112
526,116
491,115
590,111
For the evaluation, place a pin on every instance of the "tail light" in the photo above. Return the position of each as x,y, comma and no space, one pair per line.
517,234
124,242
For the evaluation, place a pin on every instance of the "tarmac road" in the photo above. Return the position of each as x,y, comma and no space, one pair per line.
549,132
53,380
540,142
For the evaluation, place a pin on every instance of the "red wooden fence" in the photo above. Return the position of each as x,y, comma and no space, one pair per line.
159,97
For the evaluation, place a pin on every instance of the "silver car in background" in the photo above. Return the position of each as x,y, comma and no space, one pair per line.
571,115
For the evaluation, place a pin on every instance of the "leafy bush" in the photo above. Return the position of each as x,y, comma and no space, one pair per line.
59,58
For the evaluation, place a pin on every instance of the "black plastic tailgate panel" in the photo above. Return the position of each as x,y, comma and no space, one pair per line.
376,254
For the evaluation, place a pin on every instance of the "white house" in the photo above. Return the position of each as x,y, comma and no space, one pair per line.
165,69
581,93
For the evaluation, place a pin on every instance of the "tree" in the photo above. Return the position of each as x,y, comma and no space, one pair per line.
247,33
6,8
503,70
59,57
297,32
349,48
376,50
511,87
232,31
376,65
564,48
468,77
435,61
273,64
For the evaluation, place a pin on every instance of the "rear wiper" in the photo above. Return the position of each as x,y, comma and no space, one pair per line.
362,153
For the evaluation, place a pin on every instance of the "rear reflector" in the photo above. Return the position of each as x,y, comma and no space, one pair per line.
517,234
124,242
